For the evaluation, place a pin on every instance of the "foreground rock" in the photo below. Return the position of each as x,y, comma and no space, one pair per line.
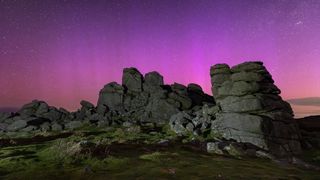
252,110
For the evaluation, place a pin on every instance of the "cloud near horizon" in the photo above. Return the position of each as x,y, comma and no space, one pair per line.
309,101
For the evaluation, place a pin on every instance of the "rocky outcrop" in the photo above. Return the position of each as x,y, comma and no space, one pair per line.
251,109
39,116
32,116
245,115
146,99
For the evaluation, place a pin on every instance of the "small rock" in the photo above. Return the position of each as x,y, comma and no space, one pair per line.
45,126
86,104
164,142
190,127
212,147
262,154
134,129
56,127
127,124
73,125
29,128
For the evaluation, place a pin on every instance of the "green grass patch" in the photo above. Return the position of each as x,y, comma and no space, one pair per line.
62,159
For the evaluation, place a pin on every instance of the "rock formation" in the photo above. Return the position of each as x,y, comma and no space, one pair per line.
245,114
251,109
146,99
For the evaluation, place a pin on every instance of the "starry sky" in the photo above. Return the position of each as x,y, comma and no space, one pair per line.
62,51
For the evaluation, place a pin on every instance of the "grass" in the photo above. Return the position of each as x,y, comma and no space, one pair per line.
130,154
312,156
155,156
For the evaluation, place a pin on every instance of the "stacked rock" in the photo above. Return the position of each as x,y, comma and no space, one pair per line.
252,110
39,116
146,98
36,115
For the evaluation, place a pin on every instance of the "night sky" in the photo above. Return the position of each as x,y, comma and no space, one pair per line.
62,51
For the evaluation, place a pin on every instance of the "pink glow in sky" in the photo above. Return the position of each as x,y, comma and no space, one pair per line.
66,51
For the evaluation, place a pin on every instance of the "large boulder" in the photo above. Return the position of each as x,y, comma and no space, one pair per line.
152,81
241,127
42,108
110,97
179,89
132,79
30,108
251,110
53,114
237,88
159,111
247,103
